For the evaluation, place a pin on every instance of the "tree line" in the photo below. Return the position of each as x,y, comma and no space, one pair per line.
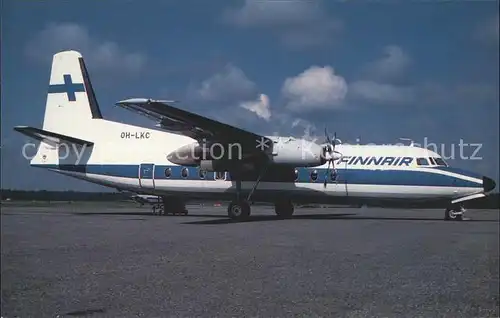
45,195
490,202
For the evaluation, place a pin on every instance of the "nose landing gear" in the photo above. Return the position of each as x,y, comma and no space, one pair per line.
454,213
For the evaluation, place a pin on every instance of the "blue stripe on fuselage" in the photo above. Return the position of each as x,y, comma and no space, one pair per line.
350,176
460,172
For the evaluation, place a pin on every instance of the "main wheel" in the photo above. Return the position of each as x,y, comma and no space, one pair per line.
284,209
238,210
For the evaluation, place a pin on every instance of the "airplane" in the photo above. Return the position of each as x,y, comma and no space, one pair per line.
188,156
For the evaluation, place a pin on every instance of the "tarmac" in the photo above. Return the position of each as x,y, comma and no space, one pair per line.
117,260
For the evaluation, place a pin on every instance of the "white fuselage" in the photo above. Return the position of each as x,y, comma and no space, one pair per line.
122,154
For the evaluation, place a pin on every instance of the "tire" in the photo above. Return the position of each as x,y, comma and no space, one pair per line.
450,215
284,210
238,210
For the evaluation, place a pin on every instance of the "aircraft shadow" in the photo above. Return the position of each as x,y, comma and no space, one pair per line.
144,214
266,218
343,216
221,219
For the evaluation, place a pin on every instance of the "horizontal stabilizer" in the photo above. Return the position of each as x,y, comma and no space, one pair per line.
44,135
469,197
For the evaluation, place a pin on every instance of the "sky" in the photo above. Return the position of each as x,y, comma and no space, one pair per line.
372,72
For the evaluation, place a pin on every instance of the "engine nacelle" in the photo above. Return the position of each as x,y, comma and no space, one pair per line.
284,151
297,153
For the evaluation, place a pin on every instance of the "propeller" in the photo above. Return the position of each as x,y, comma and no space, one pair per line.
330,153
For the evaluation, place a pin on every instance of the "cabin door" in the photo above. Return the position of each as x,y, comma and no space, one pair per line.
146,175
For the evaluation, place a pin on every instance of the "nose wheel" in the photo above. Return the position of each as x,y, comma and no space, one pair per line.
454,213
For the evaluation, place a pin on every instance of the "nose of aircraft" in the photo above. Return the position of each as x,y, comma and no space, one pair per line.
488,184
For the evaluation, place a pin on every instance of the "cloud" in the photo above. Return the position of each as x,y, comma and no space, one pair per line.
273,13
298,23
424,94
381,84
390,67
309,128
231,87
102,55
380,81
459,94
228,86
381,93
487,31
286,124
260,107
315,88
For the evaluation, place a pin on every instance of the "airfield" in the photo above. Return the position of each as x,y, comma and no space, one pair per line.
118,260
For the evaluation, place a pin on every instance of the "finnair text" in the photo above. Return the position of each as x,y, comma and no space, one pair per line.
376,161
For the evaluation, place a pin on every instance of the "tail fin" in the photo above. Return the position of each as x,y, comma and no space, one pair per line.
71,101
71,107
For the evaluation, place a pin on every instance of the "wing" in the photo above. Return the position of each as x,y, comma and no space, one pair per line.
195,126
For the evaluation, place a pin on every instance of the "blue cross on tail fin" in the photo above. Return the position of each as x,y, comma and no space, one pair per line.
71,101
68,87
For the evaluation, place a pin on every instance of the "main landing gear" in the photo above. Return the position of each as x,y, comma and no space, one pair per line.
284,209
170,206
239,209
454,213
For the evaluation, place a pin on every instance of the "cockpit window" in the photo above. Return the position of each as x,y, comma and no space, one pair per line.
422,162
432,161
440,162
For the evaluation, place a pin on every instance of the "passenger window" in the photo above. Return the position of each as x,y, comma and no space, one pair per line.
333,175
203,174
422,162
184,173
314,175
168,172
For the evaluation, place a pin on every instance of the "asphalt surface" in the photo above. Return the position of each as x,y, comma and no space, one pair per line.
98,260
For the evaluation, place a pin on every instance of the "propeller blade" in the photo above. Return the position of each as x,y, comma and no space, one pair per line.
327,172
327,137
